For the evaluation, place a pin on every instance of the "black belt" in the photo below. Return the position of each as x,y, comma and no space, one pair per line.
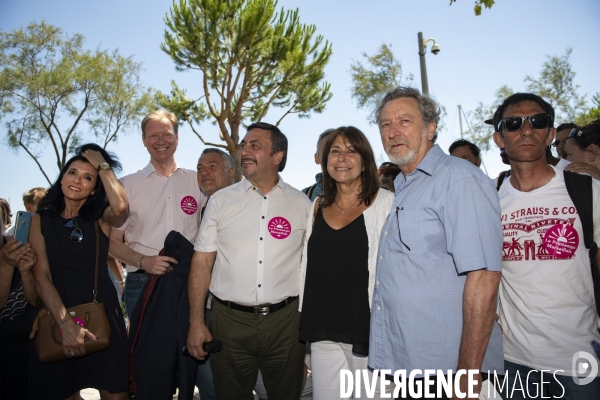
260,310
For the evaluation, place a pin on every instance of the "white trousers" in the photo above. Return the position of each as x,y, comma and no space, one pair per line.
327,360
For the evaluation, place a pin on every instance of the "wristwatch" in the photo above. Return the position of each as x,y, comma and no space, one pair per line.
103,166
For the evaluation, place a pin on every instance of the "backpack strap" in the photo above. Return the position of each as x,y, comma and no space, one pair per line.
580,190
503,175
579,187
310,190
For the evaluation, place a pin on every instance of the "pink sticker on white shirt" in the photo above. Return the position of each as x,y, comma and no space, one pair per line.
189,205
279,227
561,241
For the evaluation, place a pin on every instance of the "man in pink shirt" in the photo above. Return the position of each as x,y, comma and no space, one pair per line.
162,197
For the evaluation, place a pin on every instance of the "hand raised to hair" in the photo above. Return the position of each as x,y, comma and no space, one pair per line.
94,157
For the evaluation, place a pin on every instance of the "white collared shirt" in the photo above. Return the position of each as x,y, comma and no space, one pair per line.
158,205
258,239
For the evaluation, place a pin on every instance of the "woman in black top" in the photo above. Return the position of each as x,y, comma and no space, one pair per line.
339,260
64,236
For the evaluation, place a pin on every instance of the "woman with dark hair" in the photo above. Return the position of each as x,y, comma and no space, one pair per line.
337,274
583,149
86,200
5,215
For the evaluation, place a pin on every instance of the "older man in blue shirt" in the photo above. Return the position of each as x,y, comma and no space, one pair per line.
440,255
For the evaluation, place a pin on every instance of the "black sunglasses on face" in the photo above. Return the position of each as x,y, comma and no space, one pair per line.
76,233
537,121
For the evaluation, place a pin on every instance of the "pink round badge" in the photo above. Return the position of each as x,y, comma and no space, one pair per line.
189,205
279,227
77,321
561,241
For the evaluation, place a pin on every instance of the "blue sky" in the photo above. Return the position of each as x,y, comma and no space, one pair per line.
478,55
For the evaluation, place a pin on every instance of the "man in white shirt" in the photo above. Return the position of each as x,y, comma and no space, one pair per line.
252,234
162,197
547,308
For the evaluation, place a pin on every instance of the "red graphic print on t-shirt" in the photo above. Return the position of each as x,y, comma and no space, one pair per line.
546,239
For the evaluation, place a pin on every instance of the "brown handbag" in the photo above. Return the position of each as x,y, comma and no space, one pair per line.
91,316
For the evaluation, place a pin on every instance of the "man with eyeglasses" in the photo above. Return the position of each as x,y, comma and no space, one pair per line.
560,141
547,312
439,260
562,134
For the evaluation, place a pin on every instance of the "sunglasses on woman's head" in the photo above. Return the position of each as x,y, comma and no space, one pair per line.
575,132
76,233
537,121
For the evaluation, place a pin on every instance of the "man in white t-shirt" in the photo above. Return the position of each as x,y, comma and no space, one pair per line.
547,307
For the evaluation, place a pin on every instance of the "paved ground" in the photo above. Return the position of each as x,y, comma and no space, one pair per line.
92,394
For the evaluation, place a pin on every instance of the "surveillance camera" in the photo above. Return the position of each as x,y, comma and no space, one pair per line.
435,49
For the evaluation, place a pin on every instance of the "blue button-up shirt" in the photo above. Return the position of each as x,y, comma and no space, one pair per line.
445,222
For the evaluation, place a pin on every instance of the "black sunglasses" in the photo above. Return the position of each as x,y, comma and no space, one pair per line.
76,234
537,121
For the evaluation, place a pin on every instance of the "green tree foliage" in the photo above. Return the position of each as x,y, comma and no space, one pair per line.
591,114
380,73
479,5
250,57
372,80
479,132
556,84
54,95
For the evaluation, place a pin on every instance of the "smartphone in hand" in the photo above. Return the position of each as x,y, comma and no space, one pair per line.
22,225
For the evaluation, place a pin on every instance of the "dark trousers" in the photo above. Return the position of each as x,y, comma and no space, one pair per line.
204,377
252,341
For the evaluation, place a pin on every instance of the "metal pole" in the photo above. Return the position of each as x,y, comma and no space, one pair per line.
460,120
424,85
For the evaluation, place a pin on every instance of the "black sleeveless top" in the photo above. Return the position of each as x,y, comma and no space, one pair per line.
336,297
72,267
